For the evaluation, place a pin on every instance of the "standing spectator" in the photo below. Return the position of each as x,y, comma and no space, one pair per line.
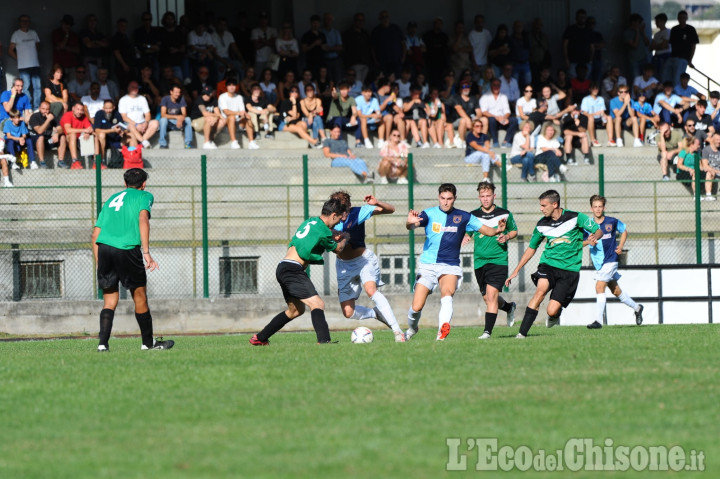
93,46
612,83
135,113
147,44
480,39
79,86
263,38
291,115
509,84
108,130
437,52
575,135
539,56
478,150
55,92
637,44
313,45
597,44
414,50
287,47
646,84
520,53
205,116
24,45
683,40
14,99
227,54
123,54
548,152
661,45
523,151
388,50
108,88
76,126
242,34
577,44
593,107
460,49
312,110
92,101
368,109
46,133
495,107
624,116
668,143
339,152
232,107
174,116
499,50
17,138
358,47
173,46
201,50
333,49
66,44
260,110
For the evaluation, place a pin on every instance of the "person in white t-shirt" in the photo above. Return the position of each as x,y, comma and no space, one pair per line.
228,56
548,152
479,39
24,44
526,104
646,83
93,103
232,107
135,112
263,38
593,107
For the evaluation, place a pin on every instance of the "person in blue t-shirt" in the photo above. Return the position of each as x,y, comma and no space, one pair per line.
16,137
624,116
14,99
439,264
646,115
604,256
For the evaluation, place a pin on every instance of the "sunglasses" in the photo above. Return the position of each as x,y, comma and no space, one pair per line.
528,91
690,124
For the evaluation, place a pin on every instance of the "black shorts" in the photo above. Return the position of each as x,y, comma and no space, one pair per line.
123,265
491,274
294,281
563,283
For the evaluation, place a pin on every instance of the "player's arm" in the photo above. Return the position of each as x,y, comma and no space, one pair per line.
621,242
413,220
527,255
150,263
489,230
341,238
381,208
96,233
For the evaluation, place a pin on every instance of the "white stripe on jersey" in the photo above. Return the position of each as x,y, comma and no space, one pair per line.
559,230
493,222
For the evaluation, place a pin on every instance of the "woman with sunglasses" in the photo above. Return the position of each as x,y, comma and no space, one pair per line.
292,120
393,164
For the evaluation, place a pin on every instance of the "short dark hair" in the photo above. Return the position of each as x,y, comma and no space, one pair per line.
486,185
661,16
135,177
595,198
231,81
366,87
342,195
551,195
702,103
715,94
333,205
343,84
447,187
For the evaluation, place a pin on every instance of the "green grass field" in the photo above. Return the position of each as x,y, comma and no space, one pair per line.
214,407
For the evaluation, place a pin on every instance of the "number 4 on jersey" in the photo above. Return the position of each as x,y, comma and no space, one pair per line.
118,201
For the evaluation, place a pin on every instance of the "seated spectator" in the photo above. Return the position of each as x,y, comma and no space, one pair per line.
269,89
554,111
247,81
324,88
668,105
463,110
548,152
688,156
483,83
668,143
206,116
393,167
46,133
646,116
227,54
526,104
262,114
232,107
108,88
495,107
390,108
287,83
416,117
77,127
343,111
509,85
404,83
200,81
369,115
437,125
575,136
174,117
713,109
15,99
686,91
543,79
593,107
54,92
478,150
110,131
92,102
580,84
135,113
338,151
612,83
355,84
646,83
447,89
79,86
307,79
711,162
522,151
17,138
623,115
292,121
564,84
148,89
704,128
424,87
5,171
312,111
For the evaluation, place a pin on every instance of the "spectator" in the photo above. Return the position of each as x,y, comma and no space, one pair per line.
343,111
260,110
173,46
387,45
147,44
668,105
338,151
312,110
227,54
499,49
391,109
539,56
577,44
690,130
269,89
543,79
66,44
369,115
77,127
448,87
661,45
313,45
79,86
509,84
437,124
646,83
404,83
416,117
247,82
135,113
575,136
24,45
353,80
288,82
263,38
554,113
358,48
564,84
711,162
232,107
637,44
14,99
464,111
333,49
46,133
123,53
687,91
201,50
200,80
93,46
4,166
205,116
488,75
704,128
92,102
480,39
580,84
17,139
307,79
688,156
520,53
288,49
292,117
597,44
324,88
437,52
174,117
148,88
523,151
108,88
668,143
55,92
646,116
548,152
612,83
593,107
460,50
393,167
713,109
109,131
415,49
242,34
525,105
495,107
623,115
478,150
683,40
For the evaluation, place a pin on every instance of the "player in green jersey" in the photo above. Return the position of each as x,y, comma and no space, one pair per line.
311,240
559,267
121,241
491,257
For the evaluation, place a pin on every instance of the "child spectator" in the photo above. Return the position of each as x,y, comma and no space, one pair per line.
16,138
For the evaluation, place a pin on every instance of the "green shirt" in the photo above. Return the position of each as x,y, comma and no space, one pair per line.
312,239
564,239
119,219
487,248
689,159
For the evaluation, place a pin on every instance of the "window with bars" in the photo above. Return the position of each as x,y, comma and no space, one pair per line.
41,279
238,275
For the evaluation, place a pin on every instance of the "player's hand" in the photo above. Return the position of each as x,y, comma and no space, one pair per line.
618,250
466,239
502,238
510,278
501,225
371,200
150,263
591,240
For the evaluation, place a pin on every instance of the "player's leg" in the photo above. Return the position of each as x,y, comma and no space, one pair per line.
143,316
531,311
600,303
350,287
564,284
317,315
418,303
295,308
627,300
107,277
383,311
448,284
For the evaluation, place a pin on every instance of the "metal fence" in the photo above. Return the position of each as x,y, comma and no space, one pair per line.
219,226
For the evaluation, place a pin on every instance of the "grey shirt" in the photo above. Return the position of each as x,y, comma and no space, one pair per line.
713,157
338,147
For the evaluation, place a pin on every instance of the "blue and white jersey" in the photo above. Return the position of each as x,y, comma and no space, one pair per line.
355,224
444,233
604,251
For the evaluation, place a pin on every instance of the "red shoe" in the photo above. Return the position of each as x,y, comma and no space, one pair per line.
76,165
102,166
256,342
444,331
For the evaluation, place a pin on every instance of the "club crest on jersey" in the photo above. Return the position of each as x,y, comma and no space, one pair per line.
436,227
608,228
457,219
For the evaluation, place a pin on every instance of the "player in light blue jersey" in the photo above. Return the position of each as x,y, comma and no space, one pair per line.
439,265
604,256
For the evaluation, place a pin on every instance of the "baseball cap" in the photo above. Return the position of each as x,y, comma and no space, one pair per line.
207,90
465,85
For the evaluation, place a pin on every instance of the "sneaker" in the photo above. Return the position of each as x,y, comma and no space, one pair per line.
253,145
163,147
383,180
595,143
62,164
520,336
638,315
15,165
562,169
651,138
146,144
76,165
666,178
594,325
511,315
550,322
485,335
496,145
443,333
329,341
437,145
188,146
102,165
6,182
508,167
380,317
447,143
270,136
369,178
33,165
457,141
368,143
409,333
265,127
359,145
318,145
419,144
571,161
399,337
208,145
587,160
710,198
102,348
256,342
235,145
611,143
619,142
381,143
426,145
505,144
402,181
158,344
532,178
638,143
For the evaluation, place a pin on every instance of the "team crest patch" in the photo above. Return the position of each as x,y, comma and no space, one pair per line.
436,228
608,228
457,219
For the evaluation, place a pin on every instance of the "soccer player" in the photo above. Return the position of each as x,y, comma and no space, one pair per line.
357,267
604,256
439,264
121,241
491,257
559,268
312,239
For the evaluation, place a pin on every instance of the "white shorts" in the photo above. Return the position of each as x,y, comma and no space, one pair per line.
429,274
353,274
607,273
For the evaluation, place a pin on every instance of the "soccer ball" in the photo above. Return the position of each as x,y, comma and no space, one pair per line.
361,335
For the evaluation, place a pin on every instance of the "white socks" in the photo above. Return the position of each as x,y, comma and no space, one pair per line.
446,310
625,299
413,318
601,301
384,306
361,312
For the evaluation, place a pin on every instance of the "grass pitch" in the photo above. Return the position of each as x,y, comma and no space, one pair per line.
216,407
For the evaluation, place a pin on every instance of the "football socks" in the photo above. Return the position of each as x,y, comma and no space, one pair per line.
106,322
490,322
144,320
361,312
383,305
414,318
273,326
629,301
528,320
601,301
446,310
320,325
504,305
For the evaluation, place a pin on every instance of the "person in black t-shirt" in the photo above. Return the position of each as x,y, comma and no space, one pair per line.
205,116
260,110
462,111
109,128
44,131
575,134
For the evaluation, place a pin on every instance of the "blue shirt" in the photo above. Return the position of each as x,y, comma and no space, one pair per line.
687,91
604,251
615,104
593,105
367,107
22,103
355,224
333,39
673,101
444,233
645,108
15,130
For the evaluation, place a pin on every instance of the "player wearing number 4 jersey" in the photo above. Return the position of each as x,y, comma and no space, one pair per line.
307,246
559,267
121,241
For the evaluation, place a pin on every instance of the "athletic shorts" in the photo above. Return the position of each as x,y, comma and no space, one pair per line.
120,265
491,275
607,273
429,274
294,281
563,283
353,274
198,124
